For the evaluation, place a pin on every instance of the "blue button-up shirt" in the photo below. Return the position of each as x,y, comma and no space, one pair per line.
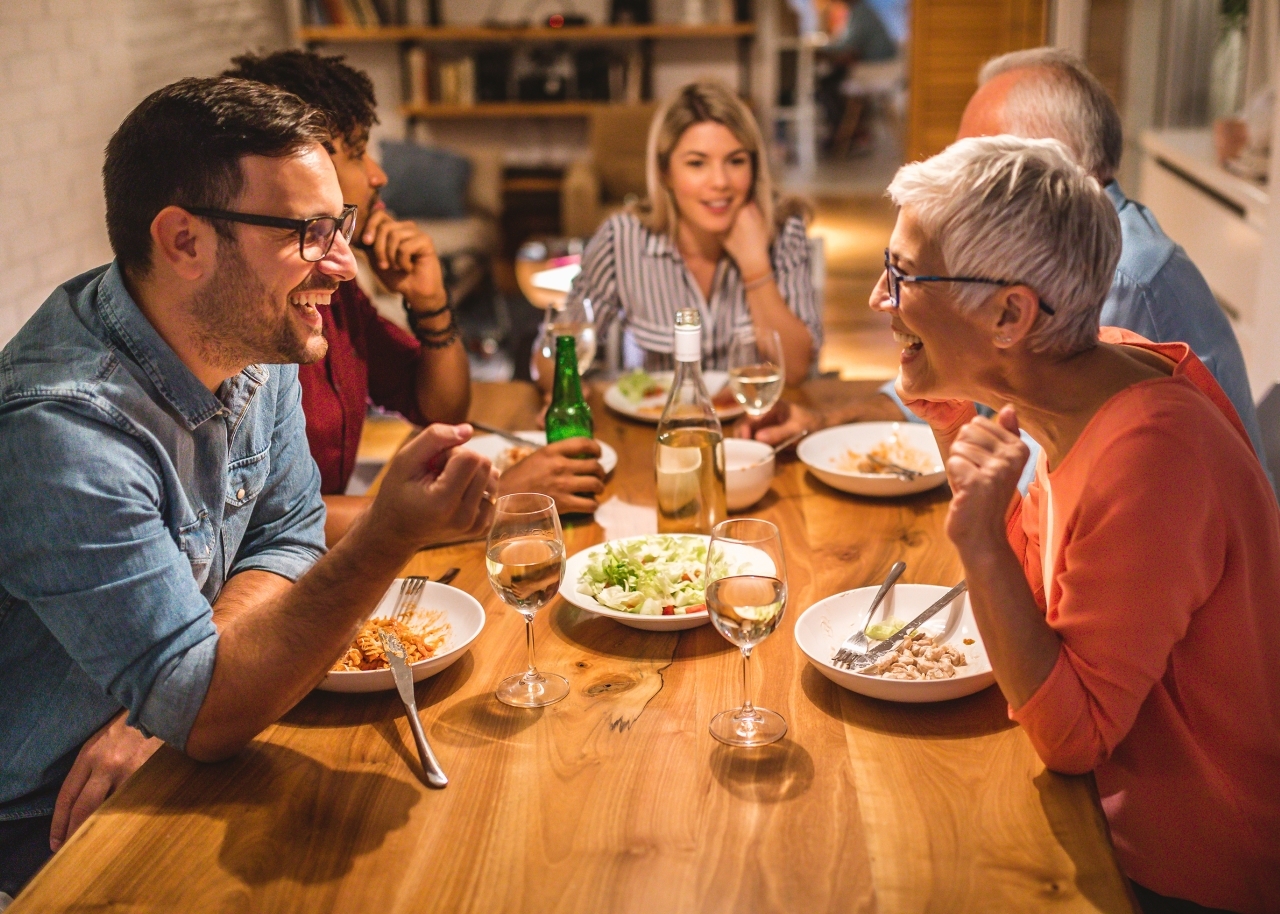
1158,293
129,495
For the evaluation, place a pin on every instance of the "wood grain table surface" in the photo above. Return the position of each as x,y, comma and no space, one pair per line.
618,799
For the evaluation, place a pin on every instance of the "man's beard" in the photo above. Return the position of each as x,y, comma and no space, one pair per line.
240,324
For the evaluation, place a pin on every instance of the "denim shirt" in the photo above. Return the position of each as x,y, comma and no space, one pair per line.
1158,292
129,495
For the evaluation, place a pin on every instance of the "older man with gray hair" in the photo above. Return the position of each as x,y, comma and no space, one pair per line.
1149,530
1156,290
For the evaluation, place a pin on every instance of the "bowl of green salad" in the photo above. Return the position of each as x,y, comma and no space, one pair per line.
652,582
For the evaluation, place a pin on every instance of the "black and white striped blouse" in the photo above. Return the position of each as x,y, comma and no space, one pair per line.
637,276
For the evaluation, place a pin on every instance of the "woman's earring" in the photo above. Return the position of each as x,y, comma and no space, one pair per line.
1004,339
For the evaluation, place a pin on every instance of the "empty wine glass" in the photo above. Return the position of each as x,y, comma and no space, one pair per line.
756,371
525,560
746,581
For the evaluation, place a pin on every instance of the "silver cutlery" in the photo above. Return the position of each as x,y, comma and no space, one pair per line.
856,643
862,661
404,685
410,593
900,471
794,439
503,433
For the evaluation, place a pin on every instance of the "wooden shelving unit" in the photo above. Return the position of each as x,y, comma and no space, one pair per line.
455,33
497,110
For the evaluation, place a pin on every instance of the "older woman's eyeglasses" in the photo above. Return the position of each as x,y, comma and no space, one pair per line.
315,235
897,278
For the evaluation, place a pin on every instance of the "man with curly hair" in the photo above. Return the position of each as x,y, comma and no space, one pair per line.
369,357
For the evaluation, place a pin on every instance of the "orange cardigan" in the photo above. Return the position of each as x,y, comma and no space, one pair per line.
1166,594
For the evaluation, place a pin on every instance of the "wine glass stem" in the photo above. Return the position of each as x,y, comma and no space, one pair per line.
532,672
747,708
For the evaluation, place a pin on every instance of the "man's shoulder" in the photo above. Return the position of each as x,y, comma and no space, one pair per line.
1144,247
63,350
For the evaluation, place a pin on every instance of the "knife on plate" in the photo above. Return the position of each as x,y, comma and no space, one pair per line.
862,661
404,684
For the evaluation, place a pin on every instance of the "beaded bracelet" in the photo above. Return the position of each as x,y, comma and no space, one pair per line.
413,317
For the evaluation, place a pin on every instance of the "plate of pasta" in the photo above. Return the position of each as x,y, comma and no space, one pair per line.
436,634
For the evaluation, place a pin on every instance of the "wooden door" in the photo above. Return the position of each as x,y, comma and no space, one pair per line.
950,41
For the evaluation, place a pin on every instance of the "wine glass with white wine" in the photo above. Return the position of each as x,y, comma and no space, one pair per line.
746,589
756,372
525,560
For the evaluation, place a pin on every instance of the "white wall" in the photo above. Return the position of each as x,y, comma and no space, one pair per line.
70,70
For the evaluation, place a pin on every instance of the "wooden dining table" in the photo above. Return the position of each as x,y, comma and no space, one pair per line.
618,799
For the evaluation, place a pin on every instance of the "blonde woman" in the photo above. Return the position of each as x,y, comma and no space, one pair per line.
712,235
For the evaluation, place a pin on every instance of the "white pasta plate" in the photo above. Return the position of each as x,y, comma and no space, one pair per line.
822,628
492,446
650,409
824,451
466,620
569,590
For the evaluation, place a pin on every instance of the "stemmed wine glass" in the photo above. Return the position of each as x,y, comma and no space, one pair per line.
525,560
577,321
746,582
756,371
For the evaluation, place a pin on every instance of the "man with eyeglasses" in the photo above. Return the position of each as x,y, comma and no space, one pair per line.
369,358
162,567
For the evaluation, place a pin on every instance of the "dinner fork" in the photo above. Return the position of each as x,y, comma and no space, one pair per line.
900,471
856,643
410,593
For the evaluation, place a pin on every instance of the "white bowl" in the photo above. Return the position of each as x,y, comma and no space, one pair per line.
492,445
748,471
466,620
569,590
823,451
823,627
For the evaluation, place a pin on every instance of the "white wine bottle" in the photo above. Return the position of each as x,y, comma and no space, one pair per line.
689,457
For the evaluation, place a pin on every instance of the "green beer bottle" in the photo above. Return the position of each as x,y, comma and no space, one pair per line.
569,416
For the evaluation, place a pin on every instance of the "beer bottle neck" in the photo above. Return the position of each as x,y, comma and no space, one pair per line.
567,387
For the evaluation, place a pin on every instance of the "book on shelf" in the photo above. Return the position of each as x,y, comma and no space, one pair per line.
456,82
417,73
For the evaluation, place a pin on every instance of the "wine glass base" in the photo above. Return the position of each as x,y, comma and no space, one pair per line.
761,728
544,689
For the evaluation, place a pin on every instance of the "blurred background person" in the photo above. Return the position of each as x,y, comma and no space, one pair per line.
369,358
712,235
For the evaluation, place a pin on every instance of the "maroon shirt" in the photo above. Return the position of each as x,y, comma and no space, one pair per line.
369,358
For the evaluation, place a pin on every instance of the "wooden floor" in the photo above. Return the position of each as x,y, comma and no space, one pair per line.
858,343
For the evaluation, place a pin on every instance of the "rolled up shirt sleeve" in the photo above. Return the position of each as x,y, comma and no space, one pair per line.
105,575
793,273
285,535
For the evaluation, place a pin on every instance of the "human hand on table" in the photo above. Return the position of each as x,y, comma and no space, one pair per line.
569,471
435,491
404,257
104,762
983,468
780,423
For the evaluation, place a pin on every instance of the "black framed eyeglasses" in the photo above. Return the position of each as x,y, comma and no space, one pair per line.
897,278
315,235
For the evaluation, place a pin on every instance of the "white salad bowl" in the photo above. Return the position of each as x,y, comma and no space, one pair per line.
573,569
748,472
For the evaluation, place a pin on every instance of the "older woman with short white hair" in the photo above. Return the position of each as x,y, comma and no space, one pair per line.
1128,603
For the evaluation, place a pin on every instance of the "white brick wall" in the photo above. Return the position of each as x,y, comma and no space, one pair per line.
70,70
